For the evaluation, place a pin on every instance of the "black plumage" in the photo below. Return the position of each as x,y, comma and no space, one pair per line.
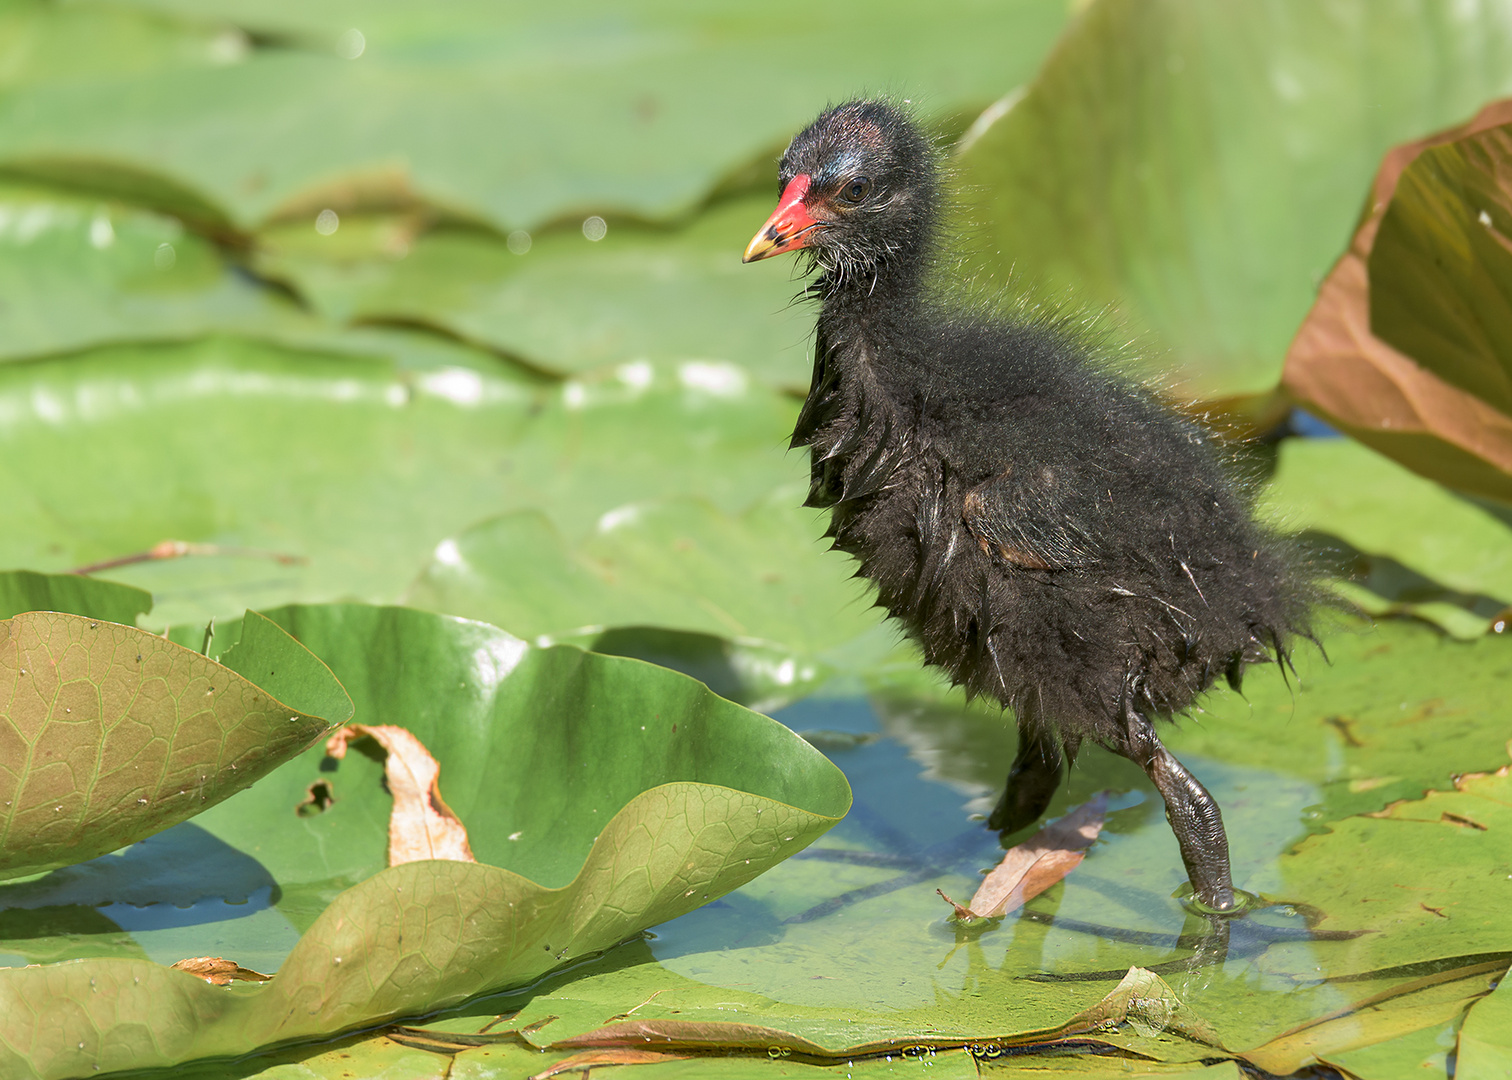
1049,533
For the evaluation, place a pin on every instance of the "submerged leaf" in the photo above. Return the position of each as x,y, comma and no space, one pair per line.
1031,867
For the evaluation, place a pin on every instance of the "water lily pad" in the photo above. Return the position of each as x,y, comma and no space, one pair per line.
1400,404
77,272
1441,262
558,301
311,476
113,734
23,590
1200,166
1485,1040
629,795
676,563
1408,545
511,116
795,951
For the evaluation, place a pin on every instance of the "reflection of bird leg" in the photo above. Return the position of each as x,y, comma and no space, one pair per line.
1193,814
1032,780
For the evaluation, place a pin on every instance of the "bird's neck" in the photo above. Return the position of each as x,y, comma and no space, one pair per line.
872,307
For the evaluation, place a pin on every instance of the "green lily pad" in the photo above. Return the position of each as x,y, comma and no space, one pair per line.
1392,712
23,590
674,563
1407,1057
311,476
510,116
1412,546
78,272
113,734
1485,1040
42,41
796,950
1199,166
629,795
1441,264
564,304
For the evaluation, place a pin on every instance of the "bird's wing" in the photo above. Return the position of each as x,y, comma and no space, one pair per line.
1029,518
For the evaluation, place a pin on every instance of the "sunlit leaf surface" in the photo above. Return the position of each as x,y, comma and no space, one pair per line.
357,470
1441,263
550,111
678,564
1400,543
24,590
1201,165
109,734
559,301
77,272
602,795
301,302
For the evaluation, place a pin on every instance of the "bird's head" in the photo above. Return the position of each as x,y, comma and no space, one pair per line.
857,189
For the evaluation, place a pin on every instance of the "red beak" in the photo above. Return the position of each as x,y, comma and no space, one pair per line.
790,225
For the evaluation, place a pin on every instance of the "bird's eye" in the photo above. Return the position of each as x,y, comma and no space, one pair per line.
856,190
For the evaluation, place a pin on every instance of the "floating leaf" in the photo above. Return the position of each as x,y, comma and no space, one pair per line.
1200,165
680,564
375,464
1485,1040
112,734
78,272
625,791
644,112
1408,545
1442,261
565,304
1421,1004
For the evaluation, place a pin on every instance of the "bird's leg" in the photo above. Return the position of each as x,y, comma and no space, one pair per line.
1193,814
1032,780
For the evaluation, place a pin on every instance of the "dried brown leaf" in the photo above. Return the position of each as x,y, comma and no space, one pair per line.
1338,369
421,825
1030,868
218,971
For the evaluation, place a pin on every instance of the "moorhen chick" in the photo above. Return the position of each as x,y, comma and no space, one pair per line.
1048,532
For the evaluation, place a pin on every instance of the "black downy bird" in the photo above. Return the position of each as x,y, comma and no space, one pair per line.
1049,533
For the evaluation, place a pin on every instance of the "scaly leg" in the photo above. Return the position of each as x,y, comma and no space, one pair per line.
1193,814
1032,781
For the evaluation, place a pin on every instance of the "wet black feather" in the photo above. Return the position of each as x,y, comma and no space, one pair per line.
1047,531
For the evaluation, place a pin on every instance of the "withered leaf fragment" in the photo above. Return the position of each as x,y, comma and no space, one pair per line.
1030,868
421,825
218,971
